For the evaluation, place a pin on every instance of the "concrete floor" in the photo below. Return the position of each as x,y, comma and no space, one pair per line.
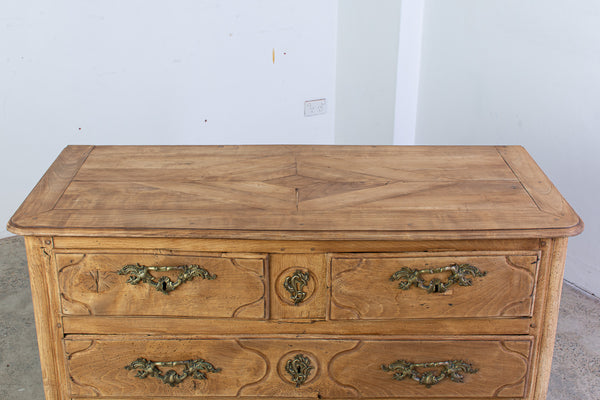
575,370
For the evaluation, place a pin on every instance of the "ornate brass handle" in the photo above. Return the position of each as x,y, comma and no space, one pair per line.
191,368
453,369
141,273
408,277
299,368
294,284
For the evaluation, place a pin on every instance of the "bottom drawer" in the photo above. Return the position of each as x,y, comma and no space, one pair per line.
302,368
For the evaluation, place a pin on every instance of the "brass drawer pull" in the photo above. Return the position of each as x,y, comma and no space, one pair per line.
141,273
299,368
408,277
294,284
191,368
453,369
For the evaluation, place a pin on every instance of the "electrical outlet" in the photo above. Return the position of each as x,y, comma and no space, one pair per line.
315,107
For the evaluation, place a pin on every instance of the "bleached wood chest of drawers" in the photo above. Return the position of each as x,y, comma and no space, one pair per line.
295,272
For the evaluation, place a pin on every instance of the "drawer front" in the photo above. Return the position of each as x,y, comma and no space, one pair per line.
131,368
294,368
398,286
159,285
299,286
434,369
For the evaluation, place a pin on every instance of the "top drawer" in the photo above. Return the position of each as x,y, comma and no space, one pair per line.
213,286
396,286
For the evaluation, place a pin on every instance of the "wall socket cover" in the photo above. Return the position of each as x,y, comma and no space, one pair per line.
315,107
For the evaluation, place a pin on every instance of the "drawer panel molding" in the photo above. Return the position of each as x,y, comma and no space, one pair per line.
460,286
97,367
215,287
496,368
300,368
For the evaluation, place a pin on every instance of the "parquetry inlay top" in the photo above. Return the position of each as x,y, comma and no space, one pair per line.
205,191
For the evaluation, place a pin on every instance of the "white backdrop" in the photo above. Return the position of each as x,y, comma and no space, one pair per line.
158,72
528,73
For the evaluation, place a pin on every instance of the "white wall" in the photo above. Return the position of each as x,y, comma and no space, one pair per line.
521,72
367,56
409,69
158,72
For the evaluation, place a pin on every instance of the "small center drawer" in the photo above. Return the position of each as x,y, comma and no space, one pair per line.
218,286
396,286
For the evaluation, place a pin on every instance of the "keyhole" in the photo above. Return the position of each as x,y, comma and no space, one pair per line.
299,369
164,286
436,288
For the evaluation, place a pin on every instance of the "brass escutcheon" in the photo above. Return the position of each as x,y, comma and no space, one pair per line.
453,369
458,274
299,369
191,368
294,284
141,273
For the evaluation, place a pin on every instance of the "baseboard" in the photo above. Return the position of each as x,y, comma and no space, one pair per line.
5,234
582,290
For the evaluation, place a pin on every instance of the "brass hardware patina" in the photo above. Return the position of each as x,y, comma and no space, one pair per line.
408,277
453,369
141,273
294,284
191,368
299,368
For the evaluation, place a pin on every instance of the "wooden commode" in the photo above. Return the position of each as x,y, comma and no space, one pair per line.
295,272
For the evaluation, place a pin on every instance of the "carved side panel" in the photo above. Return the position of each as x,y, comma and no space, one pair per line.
91,285
49,328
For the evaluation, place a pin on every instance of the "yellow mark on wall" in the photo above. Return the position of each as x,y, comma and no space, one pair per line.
273,56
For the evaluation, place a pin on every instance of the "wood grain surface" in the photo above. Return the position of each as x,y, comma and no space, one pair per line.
250,367
165,326
321,192
44,290
173,246
502,368
97,367
314,305
90,285
361,287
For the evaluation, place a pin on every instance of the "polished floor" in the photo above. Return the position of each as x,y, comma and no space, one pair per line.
575,370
